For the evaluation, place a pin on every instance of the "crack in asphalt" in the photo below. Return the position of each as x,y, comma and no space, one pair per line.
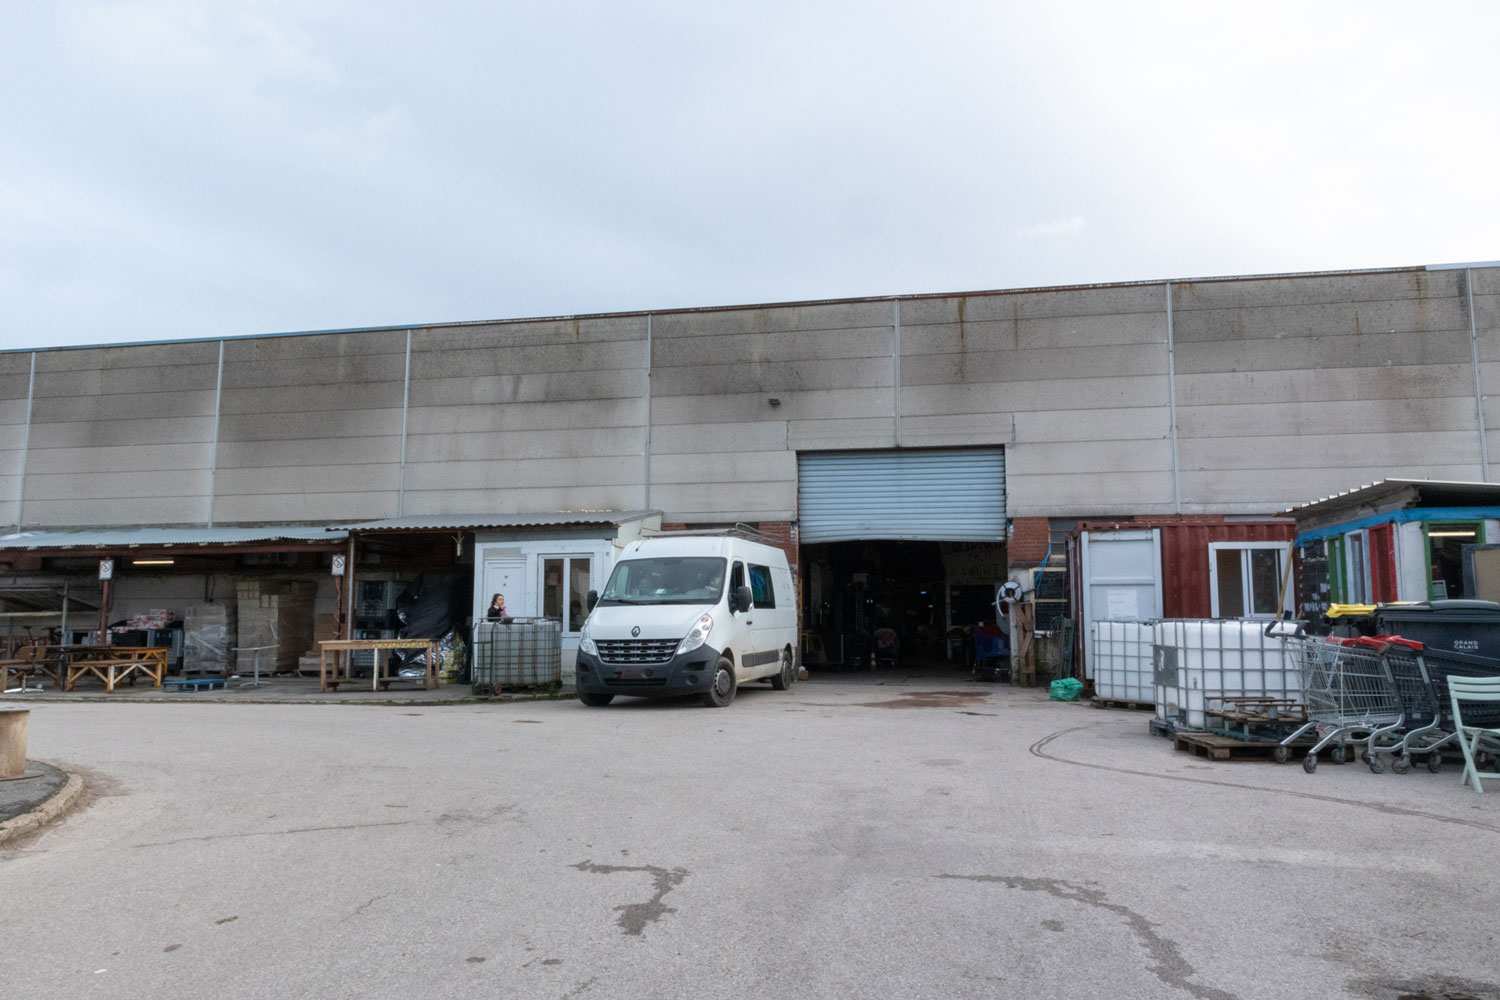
272,833
635,916
1167,963
1037,750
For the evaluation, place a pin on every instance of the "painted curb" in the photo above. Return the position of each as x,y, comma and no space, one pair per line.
51,810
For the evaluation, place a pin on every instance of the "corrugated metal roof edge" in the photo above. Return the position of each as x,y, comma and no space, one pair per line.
472,522
109,537
681,310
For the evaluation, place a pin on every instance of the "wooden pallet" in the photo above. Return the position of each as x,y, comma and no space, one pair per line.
1216,747
196,683
1134,706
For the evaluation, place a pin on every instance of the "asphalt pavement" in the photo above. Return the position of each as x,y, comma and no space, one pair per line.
920,839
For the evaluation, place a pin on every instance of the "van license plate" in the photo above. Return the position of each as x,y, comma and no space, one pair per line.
632,675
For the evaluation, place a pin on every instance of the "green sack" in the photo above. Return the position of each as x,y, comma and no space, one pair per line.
1065,689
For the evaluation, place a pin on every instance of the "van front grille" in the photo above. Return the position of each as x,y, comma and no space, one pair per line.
629,652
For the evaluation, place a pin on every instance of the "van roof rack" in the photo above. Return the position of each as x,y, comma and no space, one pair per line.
738,530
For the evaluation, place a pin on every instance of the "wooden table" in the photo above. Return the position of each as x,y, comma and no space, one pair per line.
113,664
341,648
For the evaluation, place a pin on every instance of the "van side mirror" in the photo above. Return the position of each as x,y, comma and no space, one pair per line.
593,599
739,600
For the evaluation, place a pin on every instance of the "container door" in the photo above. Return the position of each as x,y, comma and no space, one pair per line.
1121,578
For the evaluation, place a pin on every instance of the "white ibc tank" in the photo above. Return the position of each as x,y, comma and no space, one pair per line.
1200,662
1122,661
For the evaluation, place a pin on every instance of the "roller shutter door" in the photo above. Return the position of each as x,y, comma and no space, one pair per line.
934,494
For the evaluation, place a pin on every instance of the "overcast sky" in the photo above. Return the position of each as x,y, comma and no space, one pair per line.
195,168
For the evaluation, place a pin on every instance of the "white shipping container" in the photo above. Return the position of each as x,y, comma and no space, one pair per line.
1198,663
1123,661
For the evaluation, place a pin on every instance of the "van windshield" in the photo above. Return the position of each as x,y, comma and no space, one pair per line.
684,580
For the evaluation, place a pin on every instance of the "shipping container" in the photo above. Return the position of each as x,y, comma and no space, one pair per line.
1179,568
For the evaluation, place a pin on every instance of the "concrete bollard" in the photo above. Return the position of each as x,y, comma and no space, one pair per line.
13,723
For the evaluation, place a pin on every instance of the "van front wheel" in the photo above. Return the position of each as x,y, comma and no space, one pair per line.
722,691
784,680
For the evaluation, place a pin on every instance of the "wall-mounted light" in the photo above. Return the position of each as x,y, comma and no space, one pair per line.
152,562
774,401
1450,534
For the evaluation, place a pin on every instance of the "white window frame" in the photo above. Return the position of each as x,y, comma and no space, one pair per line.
1288,600
568,559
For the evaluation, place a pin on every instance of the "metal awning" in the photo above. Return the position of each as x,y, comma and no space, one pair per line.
110,539
481,522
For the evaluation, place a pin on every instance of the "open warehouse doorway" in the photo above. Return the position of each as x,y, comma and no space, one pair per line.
905,546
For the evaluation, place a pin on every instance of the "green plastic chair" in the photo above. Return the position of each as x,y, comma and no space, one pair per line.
1473,739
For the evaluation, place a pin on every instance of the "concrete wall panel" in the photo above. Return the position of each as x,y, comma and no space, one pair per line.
131,458
560,415
1335,451
830,404
98,434
120,510
836,435
1092,425
529,360
255,508
591,442
525,473
316,347
490,336
325,452
110,486
1030,365
719,502
1041,394
686,439
1323,384
773,319
309,479
497,389
1312,420
1313,289
716,468
1445,347
772,378
800,345
955,431
531,500
1035,334
309,424
1100,301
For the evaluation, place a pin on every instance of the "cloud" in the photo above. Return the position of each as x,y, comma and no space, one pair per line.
1056,227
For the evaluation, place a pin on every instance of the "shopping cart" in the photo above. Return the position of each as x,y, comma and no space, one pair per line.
1420,732
1349,696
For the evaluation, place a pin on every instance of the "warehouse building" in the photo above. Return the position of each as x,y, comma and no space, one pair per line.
909,452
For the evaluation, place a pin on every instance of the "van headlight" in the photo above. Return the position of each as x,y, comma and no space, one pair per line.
585,642
697,635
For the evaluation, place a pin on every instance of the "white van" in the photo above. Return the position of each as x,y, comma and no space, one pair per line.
690,613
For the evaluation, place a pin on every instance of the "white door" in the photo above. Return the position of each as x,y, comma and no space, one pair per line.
508,577
1121,580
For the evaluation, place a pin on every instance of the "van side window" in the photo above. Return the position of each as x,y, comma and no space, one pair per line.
761,591
737,576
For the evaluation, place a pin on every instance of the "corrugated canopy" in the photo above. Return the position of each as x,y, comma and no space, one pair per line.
1408,492
470,522
129,538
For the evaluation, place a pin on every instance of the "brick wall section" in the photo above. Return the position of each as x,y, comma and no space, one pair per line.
1028,541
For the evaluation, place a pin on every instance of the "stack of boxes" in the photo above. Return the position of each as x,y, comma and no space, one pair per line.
208,635
277,614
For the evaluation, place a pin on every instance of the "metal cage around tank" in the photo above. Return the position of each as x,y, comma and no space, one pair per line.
516,652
